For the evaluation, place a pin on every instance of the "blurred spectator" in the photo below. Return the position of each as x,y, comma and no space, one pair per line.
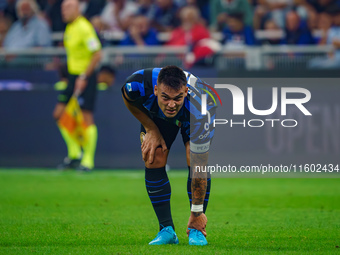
3,5
140,33
297,32
271,9
117,14
328,6
53,13
166,15
30,30
9,10
276,10
43,4
323,25
191,29
254,3
312,20
5,24
194,34
274,33
93,8
236,33
333,38
146,8
202,5
220,9
99,28
106,77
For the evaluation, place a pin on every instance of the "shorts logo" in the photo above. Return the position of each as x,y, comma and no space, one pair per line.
142,135
128,86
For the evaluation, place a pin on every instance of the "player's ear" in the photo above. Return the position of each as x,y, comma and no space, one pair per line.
155,91
186,91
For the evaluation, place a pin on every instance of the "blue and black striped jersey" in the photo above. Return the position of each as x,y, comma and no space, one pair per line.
140,89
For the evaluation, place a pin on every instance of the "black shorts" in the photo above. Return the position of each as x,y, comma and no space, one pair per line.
168,130
87,98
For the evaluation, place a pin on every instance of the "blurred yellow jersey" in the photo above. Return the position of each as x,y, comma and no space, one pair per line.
80,41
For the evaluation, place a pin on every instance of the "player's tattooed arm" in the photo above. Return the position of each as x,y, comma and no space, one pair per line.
199,179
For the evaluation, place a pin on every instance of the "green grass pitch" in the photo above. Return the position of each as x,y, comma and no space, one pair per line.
108,212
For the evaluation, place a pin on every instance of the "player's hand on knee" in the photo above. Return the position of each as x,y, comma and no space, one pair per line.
152,140
197,222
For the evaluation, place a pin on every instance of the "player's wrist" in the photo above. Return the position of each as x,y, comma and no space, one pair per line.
197,209
152,129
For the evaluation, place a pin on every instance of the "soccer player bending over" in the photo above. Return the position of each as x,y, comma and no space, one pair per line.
166,100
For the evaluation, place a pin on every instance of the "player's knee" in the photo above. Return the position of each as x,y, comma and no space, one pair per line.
159,159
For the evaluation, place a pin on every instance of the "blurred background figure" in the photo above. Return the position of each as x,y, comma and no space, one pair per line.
2,5
93,8
30,30
236,33
297,32
53,15
165,19
83,51
146,8
7,9
328,6
52,10
312,20
276,10
202,5
195,34
271,9
139,33
117,14
274,33
324,23
106,77
99,26
5,24
333,38
220,9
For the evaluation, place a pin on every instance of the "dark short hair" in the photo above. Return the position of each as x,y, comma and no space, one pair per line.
238,16
108,69
173,77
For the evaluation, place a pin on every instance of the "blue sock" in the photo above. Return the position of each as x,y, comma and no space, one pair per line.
159,191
